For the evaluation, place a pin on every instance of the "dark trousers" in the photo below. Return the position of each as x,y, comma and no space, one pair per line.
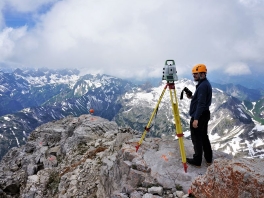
200,139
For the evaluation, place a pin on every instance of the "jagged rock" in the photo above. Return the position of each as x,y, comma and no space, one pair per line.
89,157
149,195
54,150
136,194
119,195
156,190
32,169
179,194
241,178
29,148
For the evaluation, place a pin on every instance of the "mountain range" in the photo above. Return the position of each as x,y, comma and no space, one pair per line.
30,98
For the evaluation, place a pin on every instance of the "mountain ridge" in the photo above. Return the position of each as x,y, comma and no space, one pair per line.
124,102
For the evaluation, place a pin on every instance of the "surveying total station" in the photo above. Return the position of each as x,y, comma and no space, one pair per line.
170,75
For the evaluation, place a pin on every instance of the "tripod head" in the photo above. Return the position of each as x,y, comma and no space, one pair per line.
169,71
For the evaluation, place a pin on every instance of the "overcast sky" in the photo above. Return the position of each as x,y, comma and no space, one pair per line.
133,38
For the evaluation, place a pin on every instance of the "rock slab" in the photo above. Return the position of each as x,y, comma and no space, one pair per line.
242,178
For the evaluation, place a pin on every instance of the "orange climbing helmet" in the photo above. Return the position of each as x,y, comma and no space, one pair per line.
199,68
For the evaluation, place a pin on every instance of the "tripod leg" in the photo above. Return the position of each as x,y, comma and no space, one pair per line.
150,120
177,121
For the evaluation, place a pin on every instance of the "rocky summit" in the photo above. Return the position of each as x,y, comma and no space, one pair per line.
91,157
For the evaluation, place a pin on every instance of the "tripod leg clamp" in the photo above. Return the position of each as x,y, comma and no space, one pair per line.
147,129
180,135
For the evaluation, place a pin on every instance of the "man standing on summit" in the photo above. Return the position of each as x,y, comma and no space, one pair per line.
200,116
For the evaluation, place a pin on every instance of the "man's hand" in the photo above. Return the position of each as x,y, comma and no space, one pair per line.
195,124
188,96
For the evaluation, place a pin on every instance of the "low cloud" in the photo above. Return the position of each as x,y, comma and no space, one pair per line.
237,69
8,38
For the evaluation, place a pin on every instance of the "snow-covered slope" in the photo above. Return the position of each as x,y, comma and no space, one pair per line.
49,98
231,129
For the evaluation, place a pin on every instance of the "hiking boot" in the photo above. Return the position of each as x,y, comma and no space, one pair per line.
208,163
193,163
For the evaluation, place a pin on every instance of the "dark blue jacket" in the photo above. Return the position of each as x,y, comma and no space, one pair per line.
201,100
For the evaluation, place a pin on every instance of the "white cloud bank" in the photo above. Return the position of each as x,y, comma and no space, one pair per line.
235,69
134,38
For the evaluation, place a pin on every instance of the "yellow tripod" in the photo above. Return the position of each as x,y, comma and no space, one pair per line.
174,103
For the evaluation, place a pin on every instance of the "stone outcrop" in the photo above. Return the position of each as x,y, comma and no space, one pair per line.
242,178
90,157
